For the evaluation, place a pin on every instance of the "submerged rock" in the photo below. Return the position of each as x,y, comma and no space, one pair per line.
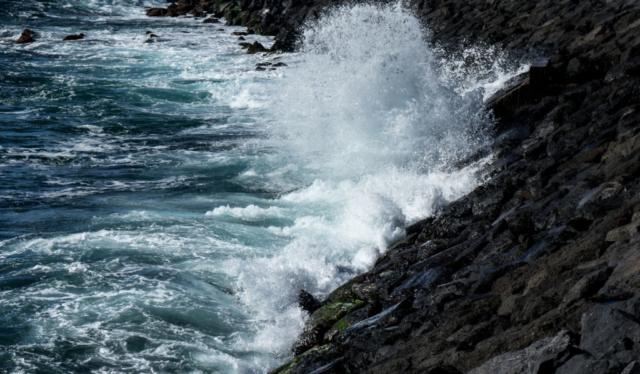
74,37
307,302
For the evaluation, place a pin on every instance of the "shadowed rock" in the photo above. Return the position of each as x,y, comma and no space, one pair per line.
27,36
74,37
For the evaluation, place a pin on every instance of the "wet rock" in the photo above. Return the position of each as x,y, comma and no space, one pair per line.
632,368
256,47
156,12
74,37
241,38
27,36
543,356
307,302
211,20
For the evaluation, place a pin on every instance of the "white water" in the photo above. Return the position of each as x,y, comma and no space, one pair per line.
367,133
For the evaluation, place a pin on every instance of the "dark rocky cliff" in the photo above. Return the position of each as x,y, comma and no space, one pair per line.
538,270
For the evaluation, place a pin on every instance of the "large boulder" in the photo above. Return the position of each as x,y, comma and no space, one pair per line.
543,356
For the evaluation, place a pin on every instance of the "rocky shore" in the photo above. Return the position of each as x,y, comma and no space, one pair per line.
536,271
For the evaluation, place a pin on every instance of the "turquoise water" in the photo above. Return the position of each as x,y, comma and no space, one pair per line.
162,204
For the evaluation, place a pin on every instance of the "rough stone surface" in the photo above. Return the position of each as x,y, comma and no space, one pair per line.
27,36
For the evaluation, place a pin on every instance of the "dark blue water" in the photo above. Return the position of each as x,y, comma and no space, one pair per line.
162,204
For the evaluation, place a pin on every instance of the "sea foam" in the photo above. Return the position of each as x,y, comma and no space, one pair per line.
369,135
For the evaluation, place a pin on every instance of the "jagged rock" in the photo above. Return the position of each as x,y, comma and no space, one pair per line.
543,356
256,48
322,319
587,286
632,368
553,230
584,363
26,37
74,37
156,12
603,327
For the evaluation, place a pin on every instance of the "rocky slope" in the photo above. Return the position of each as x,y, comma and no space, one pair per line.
538,270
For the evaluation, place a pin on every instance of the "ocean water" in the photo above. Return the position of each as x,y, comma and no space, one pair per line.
162,204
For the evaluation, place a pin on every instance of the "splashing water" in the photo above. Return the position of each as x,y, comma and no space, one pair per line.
164,203
370,134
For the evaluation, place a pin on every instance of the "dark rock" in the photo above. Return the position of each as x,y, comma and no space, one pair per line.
625,279
307,302
543,356
603,327
584,363
156,12
241,38
74,37
256,48
211,20
632,368
27,36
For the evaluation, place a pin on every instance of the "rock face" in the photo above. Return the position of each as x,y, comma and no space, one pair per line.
26,37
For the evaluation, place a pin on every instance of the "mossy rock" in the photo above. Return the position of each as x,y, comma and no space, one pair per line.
288,367
328,314
335,330
345,291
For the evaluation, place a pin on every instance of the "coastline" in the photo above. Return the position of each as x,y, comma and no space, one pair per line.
537,269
